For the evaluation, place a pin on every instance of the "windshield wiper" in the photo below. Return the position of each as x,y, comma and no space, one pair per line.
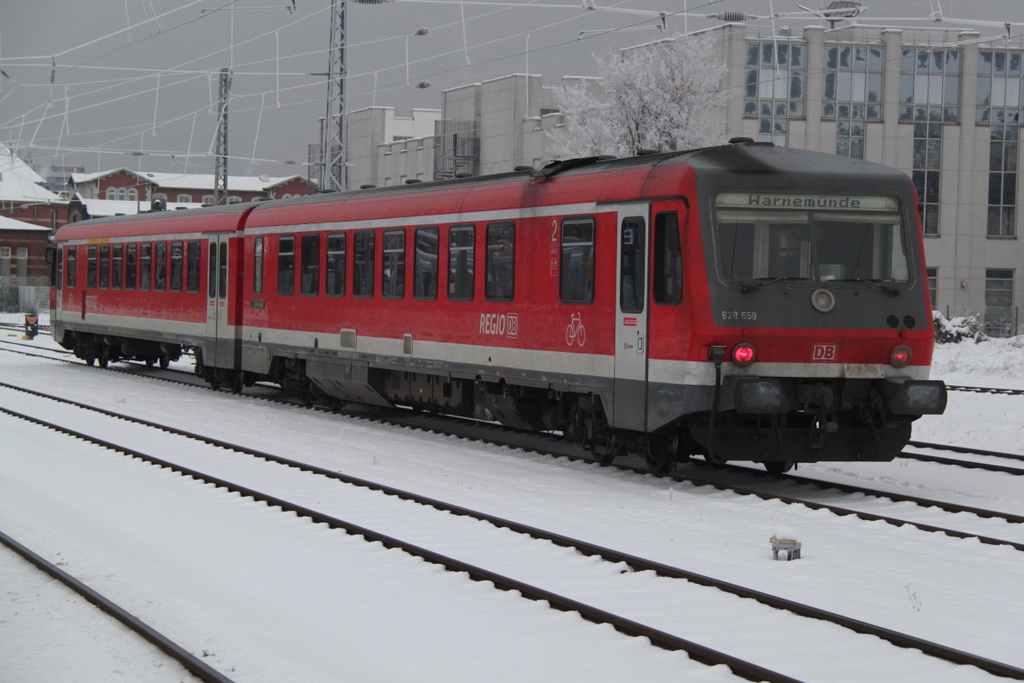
761,282
876,283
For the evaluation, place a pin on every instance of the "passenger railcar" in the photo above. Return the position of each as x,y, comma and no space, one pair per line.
745,302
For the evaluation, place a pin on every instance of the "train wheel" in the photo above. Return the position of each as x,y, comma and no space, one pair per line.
777,467
150,362
164,361
105,356
662,452
90,361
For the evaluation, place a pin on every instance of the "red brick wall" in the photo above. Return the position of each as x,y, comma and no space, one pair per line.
35,241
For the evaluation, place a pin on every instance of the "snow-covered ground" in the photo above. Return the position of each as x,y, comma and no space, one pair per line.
268,597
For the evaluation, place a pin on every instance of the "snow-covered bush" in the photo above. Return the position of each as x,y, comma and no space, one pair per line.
958,329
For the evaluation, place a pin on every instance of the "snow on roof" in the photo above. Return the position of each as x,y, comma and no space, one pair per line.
113,207
19,183
12,224
190,181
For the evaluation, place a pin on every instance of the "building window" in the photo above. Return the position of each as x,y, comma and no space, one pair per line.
425,267
461,240
310,279
393,274
999,87
133,194
209,199
5,252
576,278
184,199
852,93
774,88
1002,181
933,286
927,162
501,261
286,265
122,194
999,313
111,193
930,85
362,263
336,264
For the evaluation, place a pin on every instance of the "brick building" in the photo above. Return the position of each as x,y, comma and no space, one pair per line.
143,188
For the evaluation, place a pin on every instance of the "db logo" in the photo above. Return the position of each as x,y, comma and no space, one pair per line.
824,352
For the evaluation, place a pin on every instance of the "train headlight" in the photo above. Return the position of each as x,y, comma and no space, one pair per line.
823,300
743,354
900,356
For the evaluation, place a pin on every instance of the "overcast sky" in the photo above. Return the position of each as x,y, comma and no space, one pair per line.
105,84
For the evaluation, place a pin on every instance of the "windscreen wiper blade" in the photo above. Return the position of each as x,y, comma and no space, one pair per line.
876,283
761,282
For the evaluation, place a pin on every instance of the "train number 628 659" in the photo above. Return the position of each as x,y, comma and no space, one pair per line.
739,315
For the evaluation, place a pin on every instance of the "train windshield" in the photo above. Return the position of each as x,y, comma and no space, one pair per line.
765,237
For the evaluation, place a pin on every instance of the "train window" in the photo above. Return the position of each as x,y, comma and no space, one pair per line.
460,262
362,263
177,260
211,271
425,266
576,284
90,270
257,266
501,260
222,270
668,260
160,267
286,265
310,283
393,274
145,266
632,270
192,267
60,268
72,269
104,266
130,270
336,264
116,266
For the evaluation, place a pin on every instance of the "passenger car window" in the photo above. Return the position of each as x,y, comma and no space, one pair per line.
501,261
286,265
425,269
576,284
461,240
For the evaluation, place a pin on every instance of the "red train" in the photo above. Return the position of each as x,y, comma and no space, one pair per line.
744,302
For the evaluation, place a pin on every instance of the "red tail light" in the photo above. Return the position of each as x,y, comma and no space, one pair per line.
900,356
743,354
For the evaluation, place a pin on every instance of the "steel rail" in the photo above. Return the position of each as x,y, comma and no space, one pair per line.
188,660
629,627
613,556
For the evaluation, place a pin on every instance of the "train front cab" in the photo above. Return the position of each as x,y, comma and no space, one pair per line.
818,340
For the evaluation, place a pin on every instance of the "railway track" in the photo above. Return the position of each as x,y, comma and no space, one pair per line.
633,563
555,446
192,663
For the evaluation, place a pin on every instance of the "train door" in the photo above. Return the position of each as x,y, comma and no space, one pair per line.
220,334
630,398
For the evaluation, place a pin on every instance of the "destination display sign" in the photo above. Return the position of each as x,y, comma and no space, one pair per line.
831,202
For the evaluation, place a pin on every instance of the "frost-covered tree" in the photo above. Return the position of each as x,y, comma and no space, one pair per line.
664,96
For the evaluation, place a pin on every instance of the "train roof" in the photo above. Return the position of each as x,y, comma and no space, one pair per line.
213,219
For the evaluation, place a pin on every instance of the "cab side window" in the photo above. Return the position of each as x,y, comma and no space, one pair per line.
668,260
